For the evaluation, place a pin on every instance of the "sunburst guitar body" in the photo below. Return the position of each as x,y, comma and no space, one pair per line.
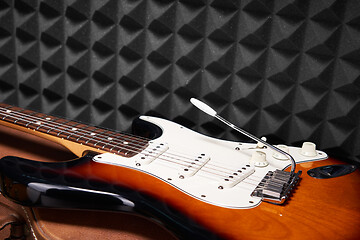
196,186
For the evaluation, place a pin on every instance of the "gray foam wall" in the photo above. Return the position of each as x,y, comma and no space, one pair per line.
288,70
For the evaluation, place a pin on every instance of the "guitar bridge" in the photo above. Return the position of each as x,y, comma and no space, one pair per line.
276,186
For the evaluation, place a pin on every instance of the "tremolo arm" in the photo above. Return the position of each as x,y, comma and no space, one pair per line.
276,186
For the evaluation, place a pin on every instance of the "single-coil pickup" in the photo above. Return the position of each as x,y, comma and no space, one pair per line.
194,166
152,152
236,176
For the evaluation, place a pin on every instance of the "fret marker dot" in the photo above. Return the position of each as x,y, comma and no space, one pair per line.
8,111
92,134
74,129
125,143
109,138
48,118
38,123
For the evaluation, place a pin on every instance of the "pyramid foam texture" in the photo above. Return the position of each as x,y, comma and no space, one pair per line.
289,70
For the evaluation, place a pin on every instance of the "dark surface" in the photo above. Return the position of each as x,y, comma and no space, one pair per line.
73,224
57,185
285,69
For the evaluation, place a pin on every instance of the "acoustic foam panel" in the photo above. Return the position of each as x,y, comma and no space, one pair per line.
288,70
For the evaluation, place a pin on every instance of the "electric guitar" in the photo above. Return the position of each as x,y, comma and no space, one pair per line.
196,186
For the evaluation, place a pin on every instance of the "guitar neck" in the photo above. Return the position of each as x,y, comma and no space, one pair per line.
76,136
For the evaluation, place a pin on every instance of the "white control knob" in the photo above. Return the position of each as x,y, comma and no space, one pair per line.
258,158
280,156
259,144
308,149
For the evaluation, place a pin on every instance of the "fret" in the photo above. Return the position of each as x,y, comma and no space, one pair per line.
9,112
41,122
35,116
55,129
88,130
66,129
121,138
118,150
99,138
111,148
121,151
102,139
44,124
124,145
25,118
108,139
91,139
129,141
75,132
114,147
4,109
110,142
19,118
135,146
9,118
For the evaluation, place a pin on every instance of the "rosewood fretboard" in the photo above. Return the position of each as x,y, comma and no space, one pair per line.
78,137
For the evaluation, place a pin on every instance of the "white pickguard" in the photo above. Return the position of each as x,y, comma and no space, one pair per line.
220,158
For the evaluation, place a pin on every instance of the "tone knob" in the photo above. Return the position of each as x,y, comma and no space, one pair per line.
258,158
281,156
308,149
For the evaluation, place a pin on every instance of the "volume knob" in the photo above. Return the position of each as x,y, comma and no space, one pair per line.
279,155
308,149
258,158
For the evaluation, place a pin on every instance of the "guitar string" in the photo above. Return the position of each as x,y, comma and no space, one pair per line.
243,183
59,126
119,136
45,115
101,140
203,173
49,124
211,173
38,118
251,180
